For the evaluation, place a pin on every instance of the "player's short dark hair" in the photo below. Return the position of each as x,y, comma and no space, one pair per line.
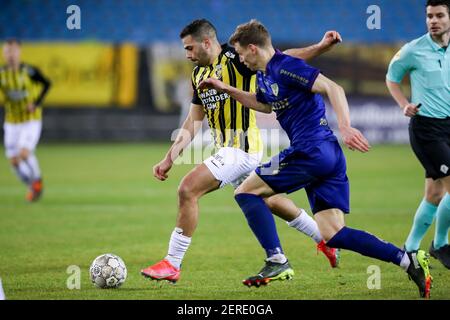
199,29
435,3
13,41
252,32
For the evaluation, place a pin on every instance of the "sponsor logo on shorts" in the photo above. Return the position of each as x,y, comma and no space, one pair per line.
219,159
444,169
212,161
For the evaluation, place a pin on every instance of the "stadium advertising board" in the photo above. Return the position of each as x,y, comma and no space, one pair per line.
86,74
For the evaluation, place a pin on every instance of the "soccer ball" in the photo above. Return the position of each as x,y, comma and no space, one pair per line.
108,271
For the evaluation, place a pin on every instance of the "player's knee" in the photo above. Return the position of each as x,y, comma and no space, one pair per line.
185,191
24,154
272,202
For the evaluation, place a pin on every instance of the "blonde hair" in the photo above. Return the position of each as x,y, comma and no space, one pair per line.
252,32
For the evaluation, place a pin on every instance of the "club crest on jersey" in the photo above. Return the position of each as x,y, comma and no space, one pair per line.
218,71
274,88
323,122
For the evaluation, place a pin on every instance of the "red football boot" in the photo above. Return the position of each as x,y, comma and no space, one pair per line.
332,254
162,270
35,191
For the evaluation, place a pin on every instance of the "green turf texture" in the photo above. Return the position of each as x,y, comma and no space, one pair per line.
102,198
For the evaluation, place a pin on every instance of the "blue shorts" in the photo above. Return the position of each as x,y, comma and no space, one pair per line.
320,169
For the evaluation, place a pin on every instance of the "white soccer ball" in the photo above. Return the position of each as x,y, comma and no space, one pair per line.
108,271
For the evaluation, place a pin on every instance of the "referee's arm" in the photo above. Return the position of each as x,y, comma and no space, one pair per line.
409,109
402,63
396,92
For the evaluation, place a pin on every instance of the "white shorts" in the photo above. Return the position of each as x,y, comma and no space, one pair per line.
21,136
232,165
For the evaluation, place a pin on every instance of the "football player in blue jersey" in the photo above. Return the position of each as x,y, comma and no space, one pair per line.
314,161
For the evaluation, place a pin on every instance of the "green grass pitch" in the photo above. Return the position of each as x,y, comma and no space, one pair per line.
102,198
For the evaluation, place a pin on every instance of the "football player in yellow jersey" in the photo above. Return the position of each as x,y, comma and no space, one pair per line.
23,116
236,137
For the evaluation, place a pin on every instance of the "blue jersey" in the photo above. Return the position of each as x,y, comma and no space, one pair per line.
286,86
314,161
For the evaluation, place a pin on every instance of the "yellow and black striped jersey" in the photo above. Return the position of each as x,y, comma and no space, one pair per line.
232,124
19,89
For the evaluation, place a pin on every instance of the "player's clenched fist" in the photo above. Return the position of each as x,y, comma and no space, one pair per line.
161,169
410,110
329,39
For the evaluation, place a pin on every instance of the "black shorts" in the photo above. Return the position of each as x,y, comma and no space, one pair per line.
430,141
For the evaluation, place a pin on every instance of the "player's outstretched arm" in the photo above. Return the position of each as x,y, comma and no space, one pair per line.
329,40
187,132
351,137
247,99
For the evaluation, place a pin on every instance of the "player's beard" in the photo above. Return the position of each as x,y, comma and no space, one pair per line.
203,59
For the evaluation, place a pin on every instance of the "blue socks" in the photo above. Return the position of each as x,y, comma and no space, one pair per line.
422,220
442,222
367,245
261,221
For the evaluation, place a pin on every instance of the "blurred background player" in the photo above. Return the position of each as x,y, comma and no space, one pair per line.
239,145
314,161
427,60
23,116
